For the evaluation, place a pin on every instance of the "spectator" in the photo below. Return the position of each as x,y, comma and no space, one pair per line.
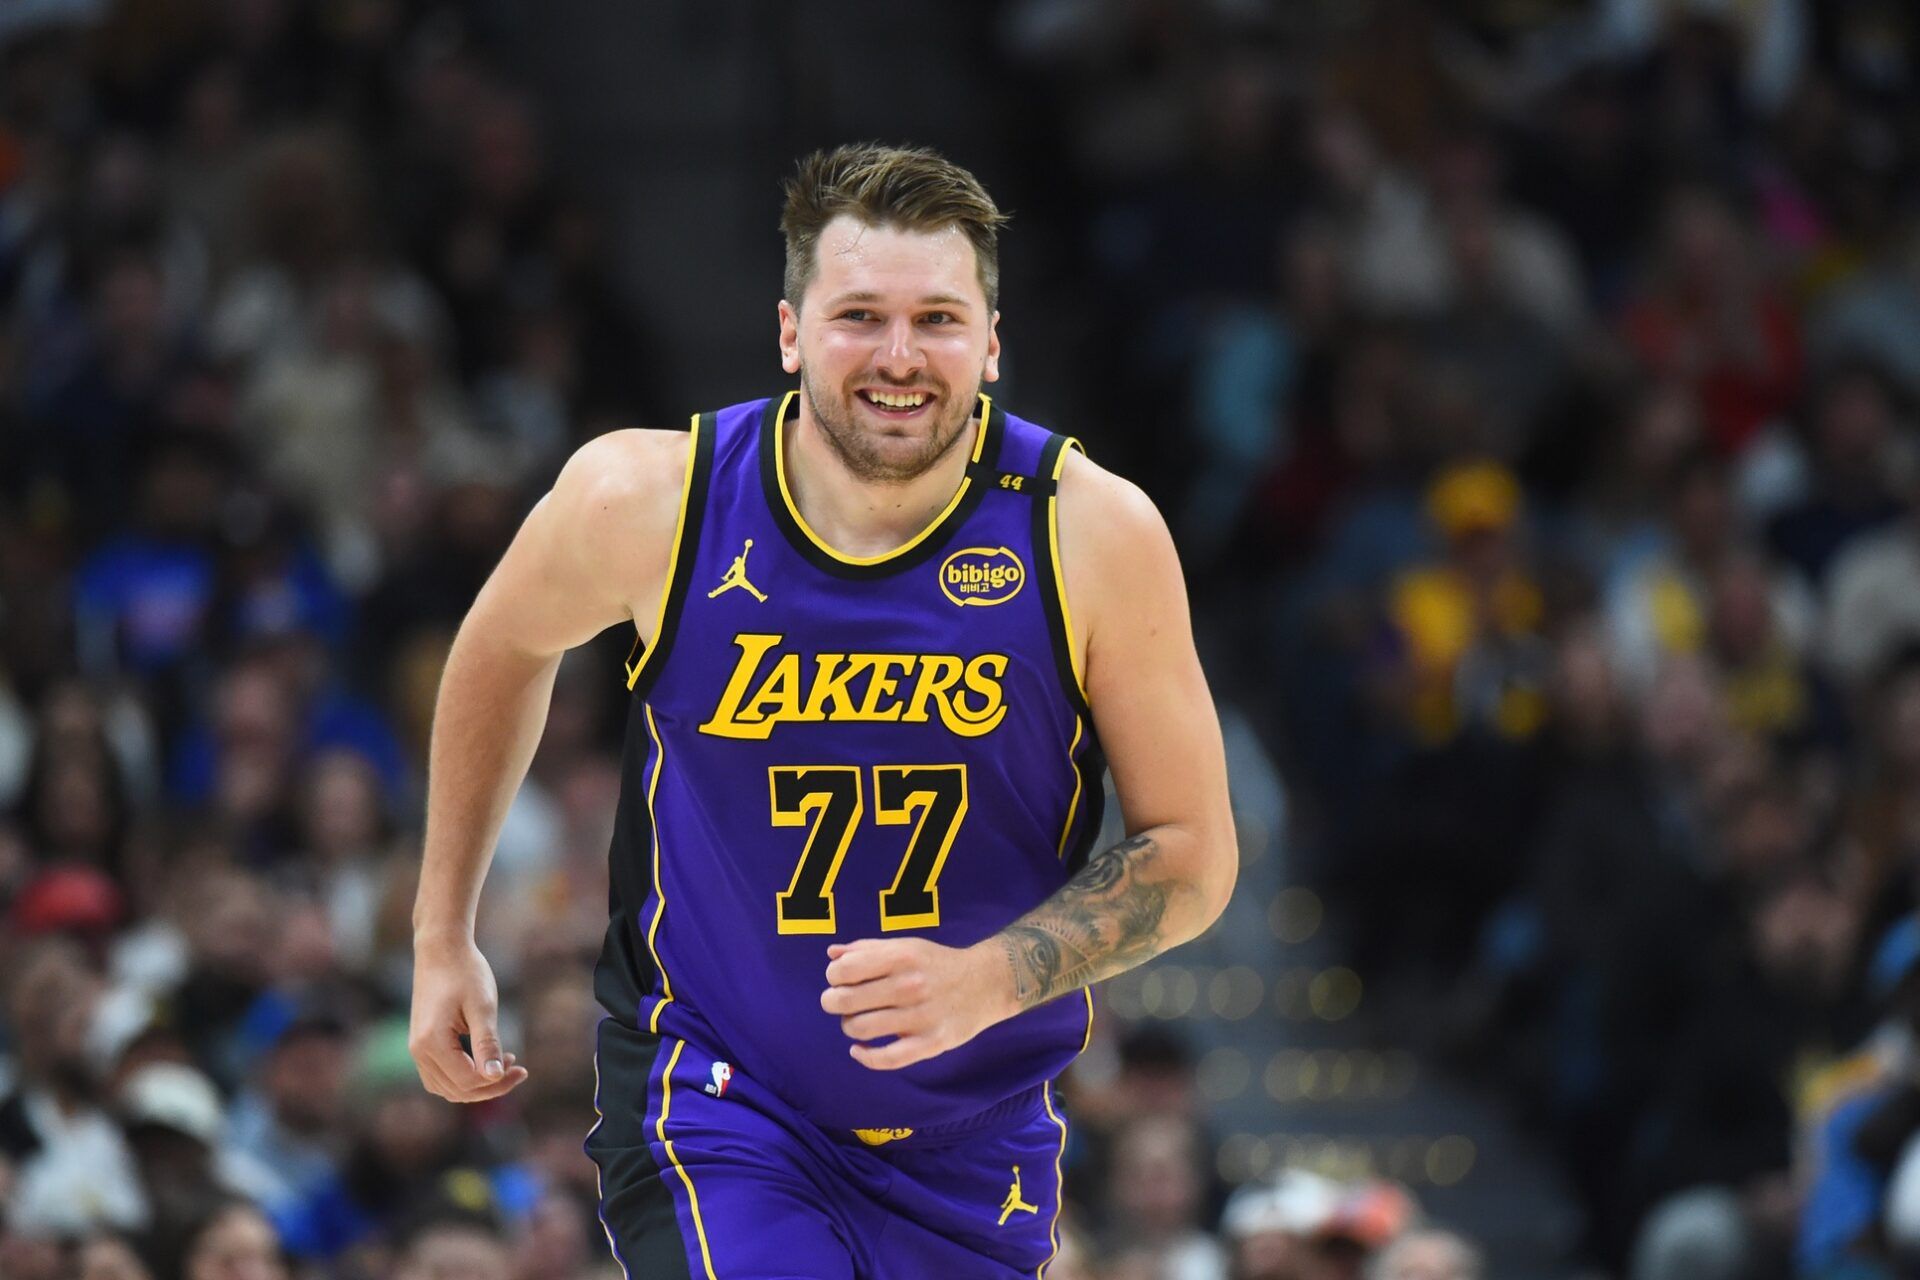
456,1247
1661,609
108,1256
1873,598
176,1127
73,1170
289,1120
1428,1255
1303,1226
347,846
1883,809
1862,1116
1768,689
225,1240
1710,317
1858,454
1156,1192
144,599
1466,630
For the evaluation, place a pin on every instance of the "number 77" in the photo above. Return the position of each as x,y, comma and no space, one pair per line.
828,799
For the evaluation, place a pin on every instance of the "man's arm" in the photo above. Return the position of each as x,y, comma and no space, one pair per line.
1172,875
581,562
1162,885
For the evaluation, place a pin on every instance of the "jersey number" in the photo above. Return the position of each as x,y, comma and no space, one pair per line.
827,799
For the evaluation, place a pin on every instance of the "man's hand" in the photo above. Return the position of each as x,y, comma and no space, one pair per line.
454,995
932,998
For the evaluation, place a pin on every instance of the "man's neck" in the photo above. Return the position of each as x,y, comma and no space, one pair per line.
864,518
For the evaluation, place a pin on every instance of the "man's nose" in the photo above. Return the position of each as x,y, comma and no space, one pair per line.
900,355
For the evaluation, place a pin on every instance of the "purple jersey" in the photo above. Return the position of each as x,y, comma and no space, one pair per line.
823,748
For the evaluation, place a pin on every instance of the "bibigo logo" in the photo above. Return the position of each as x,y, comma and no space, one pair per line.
982,575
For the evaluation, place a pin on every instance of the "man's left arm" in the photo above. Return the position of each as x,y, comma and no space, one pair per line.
1162,885
1171,877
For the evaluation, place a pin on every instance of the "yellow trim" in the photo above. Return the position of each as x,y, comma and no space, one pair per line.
660,1129
1053,549
793,508
1059,1182
599,1190
673,562
885,817
659,888
1073,805
798,818
1079,726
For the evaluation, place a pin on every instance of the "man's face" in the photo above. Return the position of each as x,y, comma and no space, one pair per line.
894,314
306,1079
51,1007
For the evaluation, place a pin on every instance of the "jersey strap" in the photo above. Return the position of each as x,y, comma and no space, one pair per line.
1091,764
641,673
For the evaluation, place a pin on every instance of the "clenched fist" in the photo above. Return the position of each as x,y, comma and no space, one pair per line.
931,998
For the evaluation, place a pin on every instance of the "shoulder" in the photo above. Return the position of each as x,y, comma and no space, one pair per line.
1115,549
631,465
607,525
622,483
1106,517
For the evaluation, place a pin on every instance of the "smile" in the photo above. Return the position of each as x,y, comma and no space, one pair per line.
901,403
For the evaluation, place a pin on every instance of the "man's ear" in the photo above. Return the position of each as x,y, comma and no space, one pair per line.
991,373
789,337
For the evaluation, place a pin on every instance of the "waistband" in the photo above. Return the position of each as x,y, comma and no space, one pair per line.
1005,1114
1008,1113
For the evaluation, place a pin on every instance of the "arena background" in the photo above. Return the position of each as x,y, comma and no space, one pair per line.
1531,387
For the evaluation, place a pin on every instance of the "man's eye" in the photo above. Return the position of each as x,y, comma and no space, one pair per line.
856,314
939,317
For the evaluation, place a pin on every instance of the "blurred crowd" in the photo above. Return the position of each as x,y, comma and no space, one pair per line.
1546,379
295,322
1146,1200
1532,388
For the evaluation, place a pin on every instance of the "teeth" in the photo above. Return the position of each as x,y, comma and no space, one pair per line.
909,400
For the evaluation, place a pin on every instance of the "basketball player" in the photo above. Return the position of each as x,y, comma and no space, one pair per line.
889,637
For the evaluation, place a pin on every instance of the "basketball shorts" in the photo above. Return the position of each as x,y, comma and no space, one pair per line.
706,1175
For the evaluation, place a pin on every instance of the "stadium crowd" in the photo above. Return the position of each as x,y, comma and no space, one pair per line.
1545,469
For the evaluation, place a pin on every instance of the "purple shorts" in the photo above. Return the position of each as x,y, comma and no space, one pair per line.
706,1174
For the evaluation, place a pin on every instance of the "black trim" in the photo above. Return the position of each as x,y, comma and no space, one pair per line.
1041,486
636,1204
1092,764
1042,543
625,971
1092,767
923,551
687,552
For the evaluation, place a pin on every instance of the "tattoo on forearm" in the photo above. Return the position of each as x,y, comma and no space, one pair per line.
1103,921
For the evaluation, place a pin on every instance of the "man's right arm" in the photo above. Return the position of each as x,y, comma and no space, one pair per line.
591,554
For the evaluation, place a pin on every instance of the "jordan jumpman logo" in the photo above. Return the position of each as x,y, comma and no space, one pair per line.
737,577
1013,1200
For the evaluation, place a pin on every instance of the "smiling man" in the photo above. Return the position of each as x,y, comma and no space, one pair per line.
889,639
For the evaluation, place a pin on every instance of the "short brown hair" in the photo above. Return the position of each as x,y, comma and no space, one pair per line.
913,188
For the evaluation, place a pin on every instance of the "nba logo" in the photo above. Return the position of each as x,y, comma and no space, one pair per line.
722,1073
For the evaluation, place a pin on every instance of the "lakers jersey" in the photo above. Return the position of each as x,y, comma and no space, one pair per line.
823,748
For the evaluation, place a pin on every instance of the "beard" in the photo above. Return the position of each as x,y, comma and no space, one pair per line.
859,448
